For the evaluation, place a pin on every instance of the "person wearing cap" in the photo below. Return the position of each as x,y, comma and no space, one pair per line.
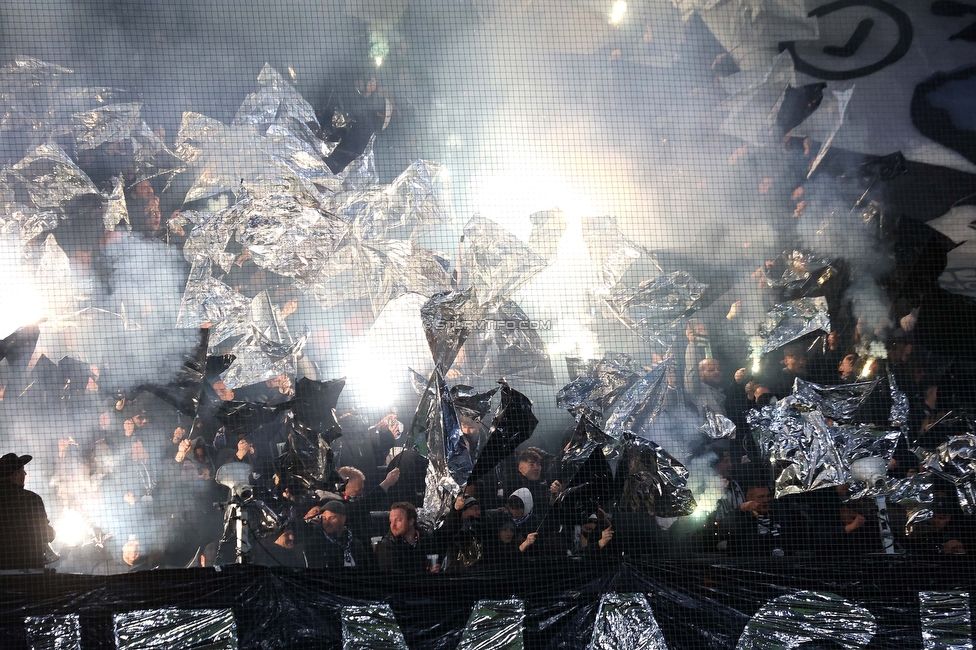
328,543
26,531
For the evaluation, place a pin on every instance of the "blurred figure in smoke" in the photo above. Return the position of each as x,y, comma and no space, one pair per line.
703,373
26,531
133,556
794,366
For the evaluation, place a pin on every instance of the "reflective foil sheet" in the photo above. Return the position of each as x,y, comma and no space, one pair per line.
53,632
786,322
946,620
839,403
654,482
653,307
275,100
468,401
616,255
955,461
494,625
638,406
512,424
626,621
445,326
49,177
371,627
916,494
497,262
806,616
717,426
596,391
207,629
455,451
440,487
116,211
587,439
267,349
504,342
798,274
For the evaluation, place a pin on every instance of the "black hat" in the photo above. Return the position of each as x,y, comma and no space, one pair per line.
469,502
338,507
10,463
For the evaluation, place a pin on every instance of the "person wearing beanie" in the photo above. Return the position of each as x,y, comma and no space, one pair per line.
328,543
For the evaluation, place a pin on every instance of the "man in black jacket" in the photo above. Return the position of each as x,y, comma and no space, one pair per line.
405,548
333,545
26,531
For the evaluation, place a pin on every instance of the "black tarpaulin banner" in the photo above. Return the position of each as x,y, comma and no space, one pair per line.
561,603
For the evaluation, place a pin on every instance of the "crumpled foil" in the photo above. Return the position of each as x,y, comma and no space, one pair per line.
794,619
122,123
654,482
626,621
504,342
588,438
469,402
592,394
511,425
786,322
494,625
839,403
916,494
371,626
616,255
213,629
638,406
946,620
49,177
445,326
955,462
799,274
653,307
439,421
314,406
717,426
53,632
267,349
116,211
497,262
796,437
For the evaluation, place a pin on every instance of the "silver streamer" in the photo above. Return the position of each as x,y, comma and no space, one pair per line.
206,629
792,620
371,627
53,632
494,625
626,621
946,622
789,321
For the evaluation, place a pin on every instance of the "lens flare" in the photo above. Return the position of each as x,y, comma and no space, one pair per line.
617,12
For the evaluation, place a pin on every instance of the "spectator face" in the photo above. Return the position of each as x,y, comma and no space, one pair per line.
516,513
354,487
710,372
19,477
399,524
846,366
469,427
472,512
795,363
131,552
531,469
506,535
762,497
333,522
